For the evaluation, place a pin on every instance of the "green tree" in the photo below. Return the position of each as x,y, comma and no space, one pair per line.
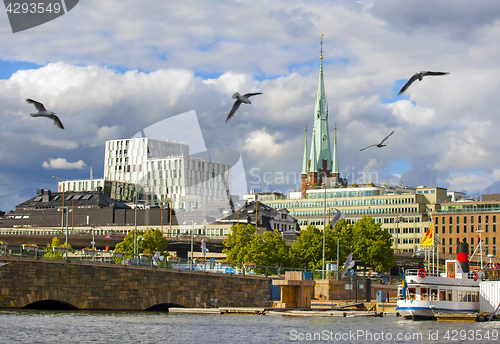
238,244
269,250
148,241
372,244
55,244
307,250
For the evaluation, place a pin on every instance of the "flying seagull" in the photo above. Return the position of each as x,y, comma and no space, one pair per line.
419,76
239,99
42,112
381,144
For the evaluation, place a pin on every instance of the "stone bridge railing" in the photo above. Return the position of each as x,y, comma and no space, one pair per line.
97,286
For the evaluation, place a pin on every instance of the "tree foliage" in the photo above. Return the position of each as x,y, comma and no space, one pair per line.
56,244
244,245
307,251
372,244
366,239
238,248
148,241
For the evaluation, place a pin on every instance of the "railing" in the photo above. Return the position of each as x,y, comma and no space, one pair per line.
197,264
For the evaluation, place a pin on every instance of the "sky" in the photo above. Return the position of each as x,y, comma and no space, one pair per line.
111,68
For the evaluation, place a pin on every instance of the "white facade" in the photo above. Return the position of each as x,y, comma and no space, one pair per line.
163,171
124,160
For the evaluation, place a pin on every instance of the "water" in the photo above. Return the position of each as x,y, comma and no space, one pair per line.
34,326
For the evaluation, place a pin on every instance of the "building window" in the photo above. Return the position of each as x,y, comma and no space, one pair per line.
451,229
458,229
444,230
465,229
451,220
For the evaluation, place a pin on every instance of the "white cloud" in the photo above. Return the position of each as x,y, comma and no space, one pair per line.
111,68
62,164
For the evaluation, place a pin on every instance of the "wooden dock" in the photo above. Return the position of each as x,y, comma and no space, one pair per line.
280,312
468,317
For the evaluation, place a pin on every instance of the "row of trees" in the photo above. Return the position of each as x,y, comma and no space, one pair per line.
366,239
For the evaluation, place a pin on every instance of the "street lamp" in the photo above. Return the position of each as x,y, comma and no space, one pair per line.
324,234
93,237
67,210
192,236
62,215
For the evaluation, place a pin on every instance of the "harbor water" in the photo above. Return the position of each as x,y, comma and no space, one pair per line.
35,326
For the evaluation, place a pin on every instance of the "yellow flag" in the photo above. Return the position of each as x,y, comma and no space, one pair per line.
428,237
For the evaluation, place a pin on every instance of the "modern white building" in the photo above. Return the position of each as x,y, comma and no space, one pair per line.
163,171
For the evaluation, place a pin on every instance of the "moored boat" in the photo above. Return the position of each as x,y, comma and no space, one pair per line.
423,294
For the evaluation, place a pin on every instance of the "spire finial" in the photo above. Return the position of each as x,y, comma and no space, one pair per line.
306,128
321,51
335,127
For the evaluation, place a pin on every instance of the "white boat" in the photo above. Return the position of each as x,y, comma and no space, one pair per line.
424,295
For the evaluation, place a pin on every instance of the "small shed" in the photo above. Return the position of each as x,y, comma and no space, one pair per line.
296,290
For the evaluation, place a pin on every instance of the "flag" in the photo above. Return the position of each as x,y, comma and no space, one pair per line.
429,237
204,248
348,264
403,285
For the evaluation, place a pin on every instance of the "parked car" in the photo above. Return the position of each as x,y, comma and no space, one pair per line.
139,262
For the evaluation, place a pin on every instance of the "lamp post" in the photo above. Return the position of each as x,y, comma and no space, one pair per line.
192,237
324,235
135,225
62,215
67,210
93,237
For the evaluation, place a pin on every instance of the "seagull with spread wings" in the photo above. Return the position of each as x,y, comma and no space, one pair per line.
239,99
381,144
419,76
42,112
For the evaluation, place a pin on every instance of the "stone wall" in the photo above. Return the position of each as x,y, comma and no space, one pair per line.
97,286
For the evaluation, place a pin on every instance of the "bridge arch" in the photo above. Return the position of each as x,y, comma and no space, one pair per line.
51,305
163,307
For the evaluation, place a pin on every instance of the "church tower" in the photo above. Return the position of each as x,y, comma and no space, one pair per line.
319,167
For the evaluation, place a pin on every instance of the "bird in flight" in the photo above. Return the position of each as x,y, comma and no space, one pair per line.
42,112
239,99
419,76
381,144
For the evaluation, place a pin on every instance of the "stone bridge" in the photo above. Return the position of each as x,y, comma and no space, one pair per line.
64,284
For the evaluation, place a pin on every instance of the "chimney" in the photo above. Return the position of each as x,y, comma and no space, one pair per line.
463,255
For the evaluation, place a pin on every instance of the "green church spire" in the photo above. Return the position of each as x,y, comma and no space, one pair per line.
321,140
304,162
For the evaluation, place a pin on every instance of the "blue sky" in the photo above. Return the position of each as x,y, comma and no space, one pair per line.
110,69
